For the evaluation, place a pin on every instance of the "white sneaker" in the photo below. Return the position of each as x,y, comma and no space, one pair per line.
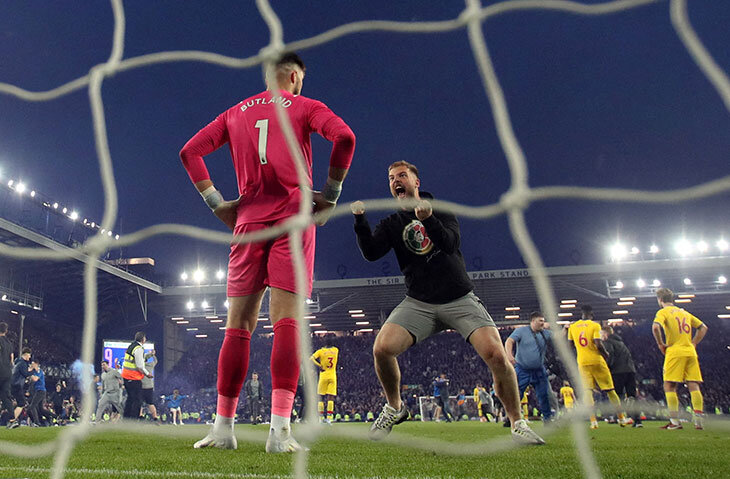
388,418
522,434
219,440
282,442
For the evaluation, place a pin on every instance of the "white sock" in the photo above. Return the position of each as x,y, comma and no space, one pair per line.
279,422
222,423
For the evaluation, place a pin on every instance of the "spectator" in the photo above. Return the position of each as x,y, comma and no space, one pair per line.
21,371
6,370
37,408
623,372
111,395
441,394
254,392
148,386
532,342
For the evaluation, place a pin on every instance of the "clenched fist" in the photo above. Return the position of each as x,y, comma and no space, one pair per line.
357,207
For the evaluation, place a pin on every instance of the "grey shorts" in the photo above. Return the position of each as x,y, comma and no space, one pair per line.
465,315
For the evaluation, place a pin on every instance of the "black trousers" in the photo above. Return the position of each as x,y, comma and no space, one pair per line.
6,401
134,398
37,408
625,383
255,406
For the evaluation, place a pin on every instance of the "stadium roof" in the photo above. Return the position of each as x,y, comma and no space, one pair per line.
363,303
55,289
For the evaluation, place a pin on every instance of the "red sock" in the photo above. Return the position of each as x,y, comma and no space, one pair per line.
284,364
232,368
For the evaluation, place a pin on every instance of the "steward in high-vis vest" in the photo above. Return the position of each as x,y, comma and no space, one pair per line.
133,370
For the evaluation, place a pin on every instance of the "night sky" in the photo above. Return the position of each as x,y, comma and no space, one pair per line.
608,101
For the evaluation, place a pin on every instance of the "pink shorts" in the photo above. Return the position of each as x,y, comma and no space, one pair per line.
253,266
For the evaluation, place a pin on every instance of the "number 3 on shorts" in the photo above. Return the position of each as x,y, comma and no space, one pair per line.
263,127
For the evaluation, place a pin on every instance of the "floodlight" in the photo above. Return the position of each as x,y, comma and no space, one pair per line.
653,249
618,251
683,247
190,304
687,281
640,283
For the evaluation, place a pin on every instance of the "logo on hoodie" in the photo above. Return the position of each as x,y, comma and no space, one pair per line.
416,238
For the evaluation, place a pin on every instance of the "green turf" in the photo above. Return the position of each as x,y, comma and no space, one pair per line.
621,453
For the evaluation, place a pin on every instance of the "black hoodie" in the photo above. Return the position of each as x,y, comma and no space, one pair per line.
428,252
619,356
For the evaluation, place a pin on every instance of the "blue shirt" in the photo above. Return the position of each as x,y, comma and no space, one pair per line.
40,385
441,386
174,402
531,347
436,388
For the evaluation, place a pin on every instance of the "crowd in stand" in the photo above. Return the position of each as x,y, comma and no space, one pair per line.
360,392
358,389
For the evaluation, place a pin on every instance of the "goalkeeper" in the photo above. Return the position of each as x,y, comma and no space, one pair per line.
269,194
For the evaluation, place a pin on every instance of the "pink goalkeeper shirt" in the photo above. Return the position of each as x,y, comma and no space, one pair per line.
267,177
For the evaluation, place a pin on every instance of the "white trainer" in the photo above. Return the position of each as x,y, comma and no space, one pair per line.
523,434
282,441
388,418
217,439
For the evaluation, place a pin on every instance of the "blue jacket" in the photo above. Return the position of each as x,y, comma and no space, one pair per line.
40,385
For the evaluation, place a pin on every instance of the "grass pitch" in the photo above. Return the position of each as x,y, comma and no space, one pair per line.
162,453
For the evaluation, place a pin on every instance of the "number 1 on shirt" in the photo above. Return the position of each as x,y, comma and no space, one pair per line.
263,127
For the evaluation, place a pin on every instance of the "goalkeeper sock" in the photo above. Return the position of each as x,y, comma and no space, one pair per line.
284,367
232,369
320,408
330,409
697,402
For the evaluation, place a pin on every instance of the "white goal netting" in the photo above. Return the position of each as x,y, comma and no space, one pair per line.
513,202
